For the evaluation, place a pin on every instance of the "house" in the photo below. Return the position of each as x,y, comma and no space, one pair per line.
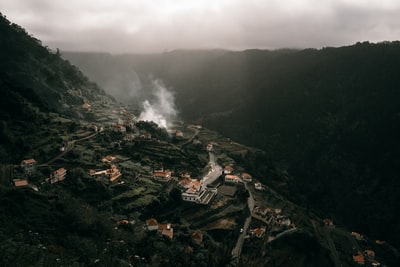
191,195
375,263
246,177
129,137
258,232
108,159
166,230
370,253
86,106
209,147
228,169
119,128
20,182
184,174
186,183
357,236
232,178
258,186
58,175
113,173
151,224
328,222
359,258
262,210
162,175
197,237
28,166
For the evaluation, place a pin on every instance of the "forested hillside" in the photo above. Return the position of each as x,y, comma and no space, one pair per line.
33,82
330,117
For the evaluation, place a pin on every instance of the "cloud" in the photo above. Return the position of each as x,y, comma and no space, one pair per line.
155,26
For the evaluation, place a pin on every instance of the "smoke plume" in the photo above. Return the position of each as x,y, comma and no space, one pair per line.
162,110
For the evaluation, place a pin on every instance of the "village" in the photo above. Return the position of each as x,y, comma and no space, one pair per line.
211,188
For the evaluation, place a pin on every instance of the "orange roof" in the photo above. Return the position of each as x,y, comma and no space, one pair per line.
359,258
168,232
151,222
259,231
20,182
164,226
29,161
185,181
161,174
60,171
246,175
196,183
228,167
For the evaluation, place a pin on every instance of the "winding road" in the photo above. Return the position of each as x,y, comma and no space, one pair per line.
68,147
239,244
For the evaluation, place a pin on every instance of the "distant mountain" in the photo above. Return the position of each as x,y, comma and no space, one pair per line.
33,82
329,117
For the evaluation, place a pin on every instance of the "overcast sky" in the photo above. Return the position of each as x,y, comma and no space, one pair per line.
155,25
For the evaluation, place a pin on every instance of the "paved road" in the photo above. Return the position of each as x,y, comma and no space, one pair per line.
236,251
214,173
68,147
332,247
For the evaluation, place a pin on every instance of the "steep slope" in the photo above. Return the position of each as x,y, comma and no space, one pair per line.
33,82
330,117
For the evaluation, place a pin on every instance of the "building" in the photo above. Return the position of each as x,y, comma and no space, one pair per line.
246,177
28,166
197,237
166,229
58,175
232,178
359,259
258,232
328,222
258,186
192,195
86,106
119,128
113,173
228,169
151,224
162,175
20,182
108,159
209,147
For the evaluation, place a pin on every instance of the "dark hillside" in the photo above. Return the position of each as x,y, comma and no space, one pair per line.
330,117
33,82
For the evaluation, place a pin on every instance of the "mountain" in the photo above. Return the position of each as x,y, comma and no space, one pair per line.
35,81
99,187
329,118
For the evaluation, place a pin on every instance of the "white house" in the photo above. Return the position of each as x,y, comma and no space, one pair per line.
258,186
151,224
228,169
246,177
232,178
192,195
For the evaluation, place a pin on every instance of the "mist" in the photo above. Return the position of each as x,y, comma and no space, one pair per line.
162,110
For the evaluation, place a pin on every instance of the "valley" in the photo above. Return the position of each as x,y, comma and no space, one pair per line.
245,223
265,159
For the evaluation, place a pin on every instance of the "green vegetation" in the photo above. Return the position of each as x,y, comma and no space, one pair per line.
328,120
